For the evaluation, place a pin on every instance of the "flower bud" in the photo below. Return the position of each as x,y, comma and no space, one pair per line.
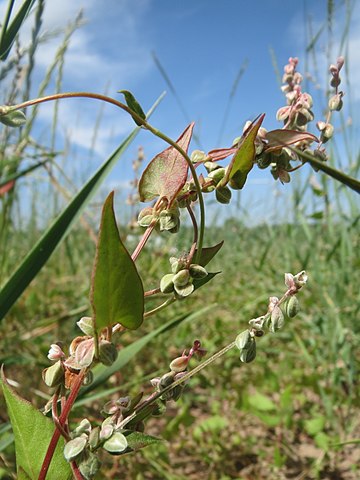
211,166
16,118
282,114
166,283
243,340
292,306
247,355
198,156
327,133
86,325
107,353
84,353
179,364
184,291
53,375
177,264
89,377
166,380
55,352
106,431
94,438
336,103
223,195
197,271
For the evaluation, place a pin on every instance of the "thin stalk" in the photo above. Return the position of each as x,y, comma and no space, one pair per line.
143,240
160,307
62,420
146,125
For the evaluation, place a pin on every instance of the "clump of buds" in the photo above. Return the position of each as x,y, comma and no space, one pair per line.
182,277
167,219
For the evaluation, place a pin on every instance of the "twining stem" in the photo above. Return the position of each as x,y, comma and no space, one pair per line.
144,239
140,121
62,421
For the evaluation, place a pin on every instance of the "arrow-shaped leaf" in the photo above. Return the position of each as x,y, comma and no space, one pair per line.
279,138
243,160
167,173
117,294
33,432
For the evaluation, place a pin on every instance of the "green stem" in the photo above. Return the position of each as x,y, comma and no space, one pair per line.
160,307
181,380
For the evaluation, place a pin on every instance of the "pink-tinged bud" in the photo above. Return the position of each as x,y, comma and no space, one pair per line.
282,114
84,353
55,353
179,364
273,301
289,280
333,69
284,176
340,63
335,102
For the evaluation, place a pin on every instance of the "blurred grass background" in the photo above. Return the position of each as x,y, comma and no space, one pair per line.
294,412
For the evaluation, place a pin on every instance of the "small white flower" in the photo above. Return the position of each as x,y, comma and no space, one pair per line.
55,353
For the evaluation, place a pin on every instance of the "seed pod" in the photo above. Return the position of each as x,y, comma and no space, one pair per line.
176,392
198,156
146,217
94,438
292,306
53,375
106,431
217,174
117,443
335,103
277,319
181,278
166,380
247,355
179,364
160,409
184,291
211,166
223,195
107,353
89,377
74,447
243,340
197,271
89,465
166,283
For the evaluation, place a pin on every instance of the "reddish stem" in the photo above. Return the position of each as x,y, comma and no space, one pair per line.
62,421
144,239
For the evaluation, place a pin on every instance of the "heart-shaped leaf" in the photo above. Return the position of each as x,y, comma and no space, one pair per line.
117,294
280,138
33,432
243,160
167,173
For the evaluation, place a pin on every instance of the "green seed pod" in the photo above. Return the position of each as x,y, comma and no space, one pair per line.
217,175
107,353
247,355
223,195
335,103
16,118
292,306
168,221
243,340
166,380
106,431
86,325
277,319
181,278
146,216
74,447
237,181
198,156
166,283
184,291
89,466
53,375
264,160
209,188
177,391
94,438
160,409
211,166
117,443
197,271
89,377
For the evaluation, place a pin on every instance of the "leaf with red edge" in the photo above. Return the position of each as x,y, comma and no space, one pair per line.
243,160
167,173
221,153
281,138
7,187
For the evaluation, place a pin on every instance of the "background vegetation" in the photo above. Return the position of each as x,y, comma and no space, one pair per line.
294,412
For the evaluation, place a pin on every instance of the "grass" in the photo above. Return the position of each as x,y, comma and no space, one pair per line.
293,413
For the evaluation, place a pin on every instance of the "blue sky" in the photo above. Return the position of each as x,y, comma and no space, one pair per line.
201,45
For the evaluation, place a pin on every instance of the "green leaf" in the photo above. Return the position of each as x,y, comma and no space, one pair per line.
202,281
208,253
315,425
243,160
134,105
166,174
33,432
9,33
261,402
102,373
281,138
138,440
42,250
117,294
16,118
